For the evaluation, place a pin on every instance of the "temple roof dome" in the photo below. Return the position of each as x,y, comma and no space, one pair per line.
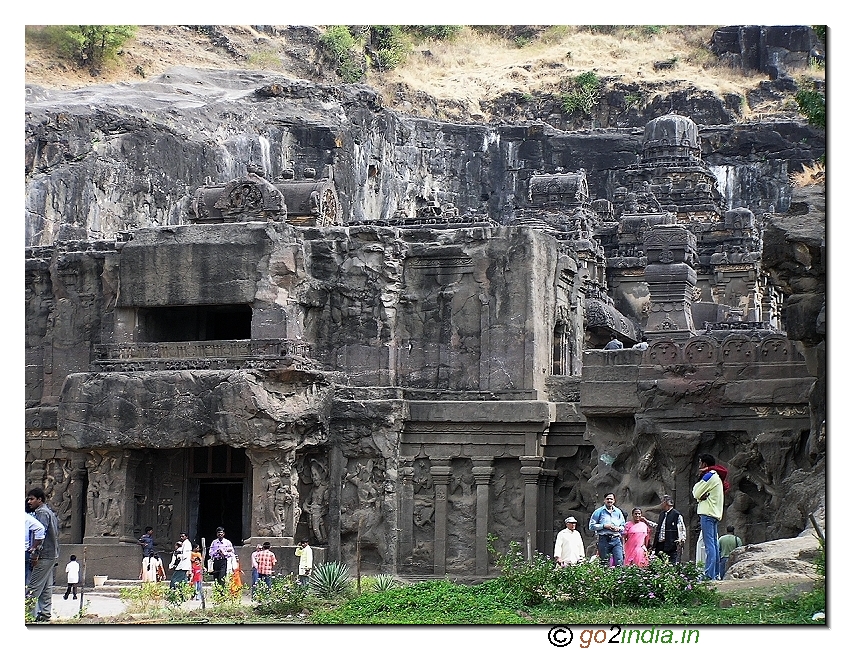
671,137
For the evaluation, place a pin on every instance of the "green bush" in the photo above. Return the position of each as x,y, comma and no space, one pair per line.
228,593
435,32
183,591
390,46
813,105
145,597
384,583
538,580
584,94
338,44
284,597
93,45
330,580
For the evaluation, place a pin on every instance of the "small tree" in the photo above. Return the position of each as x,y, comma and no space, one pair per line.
92,45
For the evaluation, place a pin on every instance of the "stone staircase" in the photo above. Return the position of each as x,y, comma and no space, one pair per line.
112,588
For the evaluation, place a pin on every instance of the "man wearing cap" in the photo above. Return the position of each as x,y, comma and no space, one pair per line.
569,546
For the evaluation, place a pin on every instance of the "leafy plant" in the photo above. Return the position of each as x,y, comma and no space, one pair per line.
813,105
428,602
537,580
584,94
390,46
435,32
330,580
92,45
229,593
338,44
383,583
182,592
284,597
146,597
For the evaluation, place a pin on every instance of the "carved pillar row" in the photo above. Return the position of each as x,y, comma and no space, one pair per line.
482,471
275,509
531,470
440,472
404,556
109,513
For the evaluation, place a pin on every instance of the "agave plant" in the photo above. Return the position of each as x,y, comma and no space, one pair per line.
330,580
384,583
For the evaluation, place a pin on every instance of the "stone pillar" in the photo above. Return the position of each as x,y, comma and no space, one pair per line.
404,556
548,508
670,253
337,470
531,470
440,472
76,491
482,471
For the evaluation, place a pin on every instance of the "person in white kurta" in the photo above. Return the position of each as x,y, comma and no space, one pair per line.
569,546
305,563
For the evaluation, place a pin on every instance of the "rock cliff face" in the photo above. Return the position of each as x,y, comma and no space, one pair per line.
106,159
420,373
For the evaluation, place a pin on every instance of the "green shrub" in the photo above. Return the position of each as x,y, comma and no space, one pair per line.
538,580
435,32
390,46
813,105
228,593
330,580
183,591
338,44
146,597
284,597
384,583
584,94
93,45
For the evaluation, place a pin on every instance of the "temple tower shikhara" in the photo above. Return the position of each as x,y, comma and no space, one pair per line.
409,385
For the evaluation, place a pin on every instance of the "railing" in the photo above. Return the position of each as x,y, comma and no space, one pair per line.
212,354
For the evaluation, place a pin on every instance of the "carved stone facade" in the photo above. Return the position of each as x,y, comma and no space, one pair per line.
400,389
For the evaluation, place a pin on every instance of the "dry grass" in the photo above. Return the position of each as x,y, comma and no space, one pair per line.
480,65
475,66
814,175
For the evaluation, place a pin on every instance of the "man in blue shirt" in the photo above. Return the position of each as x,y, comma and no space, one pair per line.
608,523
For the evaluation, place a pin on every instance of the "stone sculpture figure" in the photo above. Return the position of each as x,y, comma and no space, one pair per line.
104,501
317,502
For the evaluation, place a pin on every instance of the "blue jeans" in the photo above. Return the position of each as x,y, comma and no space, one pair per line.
610,545
723,561
708,524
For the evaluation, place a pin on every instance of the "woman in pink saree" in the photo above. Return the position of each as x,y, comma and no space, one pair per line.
636,535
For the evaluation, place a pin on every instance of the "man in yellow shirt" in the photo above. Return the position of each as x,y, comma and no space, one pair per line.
709,494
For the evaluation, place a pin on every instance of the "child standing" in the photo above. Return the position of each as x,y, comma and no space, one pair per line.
73,572
197,576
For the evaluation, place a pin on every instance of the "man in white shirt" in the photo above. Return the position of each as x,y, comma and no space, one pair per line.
569,546
184,563
305,564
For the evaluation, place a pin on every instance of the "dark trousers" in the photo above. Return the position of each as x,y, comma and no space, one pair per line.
220,569
671,549
71,587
